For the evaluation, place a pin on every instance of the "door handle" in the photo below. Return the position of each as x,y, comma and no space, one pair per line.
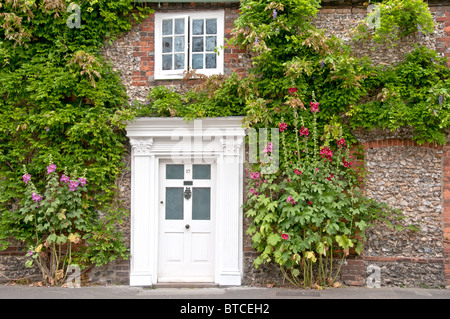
187,226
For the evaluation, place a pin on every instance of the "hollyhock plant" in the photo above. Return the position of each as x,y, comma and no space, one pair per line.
61,215
322,188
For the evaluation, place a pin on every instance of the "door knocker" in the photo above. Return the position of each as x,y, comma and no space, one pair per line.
187,193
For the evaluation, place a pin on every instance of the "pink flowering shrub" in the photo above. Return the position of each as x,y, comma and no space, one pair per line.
311,207
57,220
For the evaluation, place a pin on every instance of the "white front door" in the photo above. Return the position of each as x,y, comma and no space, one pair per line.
186,222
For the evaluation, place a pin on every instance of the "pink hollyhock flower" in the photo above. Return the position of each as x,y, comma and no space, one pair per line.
51,168
254,175
297,171
290,200
73,185
26,178
36,197
65,179
285,236
268,148
283,126
314,107
304,131
82,181
326,152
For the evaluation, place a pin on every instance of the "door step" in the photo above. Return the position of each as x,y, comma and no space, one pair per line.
185,285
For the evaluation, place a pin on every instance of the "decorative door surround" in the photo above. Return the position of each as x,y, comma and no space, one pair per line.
219,140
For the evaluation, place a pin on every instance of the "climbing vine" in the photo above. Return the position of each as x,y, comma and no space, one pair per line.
59,97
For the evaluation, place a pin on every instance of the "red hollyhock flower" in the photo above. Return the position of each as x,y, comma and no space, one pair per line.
314,107
292,90
283,126
304,131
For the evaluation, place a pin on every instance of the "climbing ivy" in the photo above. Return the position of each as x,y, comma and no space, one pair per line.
59,97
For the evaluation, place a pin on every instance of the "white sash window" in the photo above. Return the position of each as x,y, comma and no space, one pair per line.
188,41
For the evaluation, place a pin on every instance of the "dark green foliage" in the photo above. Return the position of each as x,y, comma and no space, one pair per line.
59,97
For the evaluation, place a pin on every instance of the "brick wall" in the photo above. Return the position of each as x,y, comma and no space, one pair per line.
443,22
425,260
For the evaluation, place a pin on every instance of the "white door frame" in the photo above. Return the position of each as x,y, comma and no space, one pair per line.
218,139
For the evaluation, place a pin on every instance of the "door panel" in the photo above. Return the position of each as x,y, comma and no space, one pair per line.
186,229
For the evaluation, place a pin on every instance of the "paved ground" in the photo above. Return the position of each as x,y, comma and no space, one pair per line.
231,302
241,293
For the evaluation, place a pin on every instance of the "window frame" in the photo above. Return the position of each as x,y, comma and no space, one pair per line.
159,73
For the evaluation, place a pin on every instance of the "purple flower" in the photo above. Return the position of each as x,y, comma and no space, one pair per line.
82,181
51,168
440,99
65,179
36,197
322,64
26,178
274,14
30,252
73,185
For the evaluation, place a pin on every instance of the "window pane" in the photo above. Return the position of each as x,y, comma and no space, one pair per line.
210,43
201,203
197,44
201,171
167,27
179,44
197,27
211,26
174,202
179,61
211,61
167,45
167,62
197,61
179,26
174,171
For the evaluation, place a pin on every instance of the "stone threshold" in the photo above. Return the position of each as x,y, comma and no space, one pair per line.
185,285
